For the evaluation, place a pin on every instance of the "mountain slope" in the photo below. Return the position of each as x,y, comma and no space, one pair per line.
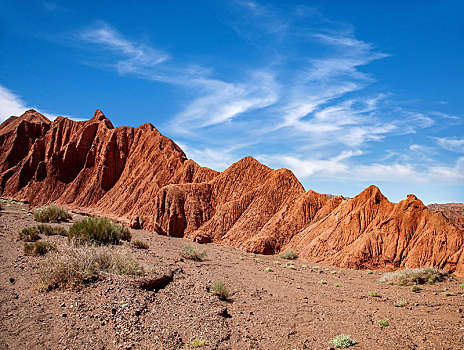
130,172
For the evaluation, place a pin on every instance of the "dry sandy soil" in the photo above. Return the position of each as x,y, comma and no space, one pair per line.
282,309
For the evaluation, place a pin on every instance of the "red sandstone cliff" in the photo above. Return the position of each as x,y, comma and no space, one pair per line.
126,172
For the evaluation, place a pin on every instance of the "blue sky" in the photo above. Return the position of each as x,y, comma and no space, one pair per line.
343,93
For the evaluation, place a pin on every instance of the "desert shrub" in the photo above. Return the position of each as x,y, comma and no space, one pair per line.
337,284
383,323
197,343
342,341
220,289
373,294
461,285
38,248
75,267
52,213
414,276
140,244
49,230
322,282
401,303
98,230
124,264
29,234
415,288
189,252
269,269
289,254
369,272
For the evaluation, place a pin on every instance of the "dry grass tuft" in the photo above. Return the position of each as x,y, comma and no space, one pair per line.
49,230
289,254
189,252
38,248
414,276
29,234
140,244
75,267
99,231
220,289
52,213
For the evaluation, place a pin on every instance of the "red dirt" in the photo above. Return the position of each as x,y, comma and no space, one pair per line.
130,172
454,212
287,308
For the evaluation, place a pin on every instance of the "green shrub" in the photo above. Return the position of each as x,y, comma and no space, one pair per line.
369,272
289,254
342,341
197,343
461,285
29,234
75,267
414,276
322,282
220,289
49,230
401,303
337,284
38,248
415,289
269,269
52,213
98,230
383,323
191,253
373,294
140,244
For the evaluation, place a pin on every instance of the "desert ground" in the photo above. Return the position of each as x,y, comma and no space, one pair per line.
286,308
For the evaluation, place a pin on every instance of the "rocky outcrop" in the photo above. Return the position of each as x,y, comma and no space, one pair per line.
454,212
145,179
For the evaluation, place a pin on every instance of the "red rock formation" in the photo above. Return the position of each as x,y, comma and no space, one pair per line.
454,212
131,173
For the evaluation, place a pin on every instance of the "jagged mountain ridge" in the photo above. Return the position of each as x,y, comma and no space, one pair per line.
130,172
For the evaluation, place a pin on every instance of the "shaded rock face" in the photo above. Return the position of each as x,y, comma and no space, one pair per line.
145,179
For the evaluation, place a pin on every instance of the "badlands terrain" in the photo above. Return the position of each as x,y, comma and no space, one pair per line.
286,308
244,217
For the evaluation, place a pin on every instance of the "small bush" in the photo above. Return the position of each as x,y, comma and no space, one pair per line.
373,294
38,248
369,272
304,266
220,289
415,276
269,269
337,285
461,285
415,289
197,343
342,341
52,213
140,244
383,323
77,266
98,230
289,255
49,230
191,253
29,234
322,282
401,303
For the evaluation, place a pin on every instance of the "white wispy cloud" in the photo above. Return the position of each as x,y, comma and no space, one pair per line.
451,144
12,104
294,103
